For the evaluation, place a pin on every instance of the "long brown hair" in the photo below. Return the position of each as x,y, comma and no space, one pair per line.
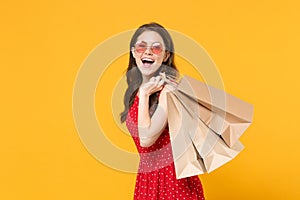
133,74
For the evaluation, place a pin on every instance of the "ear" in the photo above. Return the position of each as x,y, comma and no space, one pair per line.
166,56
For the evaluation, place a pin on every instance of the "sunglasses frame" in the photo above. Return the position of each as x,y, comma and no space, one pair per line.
152,47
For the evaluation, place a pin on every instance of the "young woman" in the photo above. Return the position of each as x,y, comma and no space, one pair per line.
151,60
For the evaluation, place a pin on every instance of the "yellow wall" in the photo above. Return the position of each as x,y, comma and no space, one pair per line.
255,45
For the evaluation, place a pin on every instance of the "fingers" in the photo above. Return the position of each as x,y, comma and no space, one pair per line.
162,74
161,82
152,79
155,84
158,79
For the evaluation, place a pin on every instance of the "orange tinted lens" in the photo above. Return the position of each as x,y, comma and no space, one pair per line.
140,48
156,48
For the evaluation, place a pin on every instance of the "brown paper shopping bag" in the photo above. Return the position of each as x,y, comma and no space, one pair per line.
186,158
198,125
196,148
225,114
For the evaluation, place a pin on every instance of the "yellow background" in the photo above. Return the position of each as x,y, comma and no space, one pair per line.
255,45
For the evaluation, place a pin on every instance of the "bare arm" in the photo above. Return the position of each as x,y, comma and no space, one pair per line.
150,128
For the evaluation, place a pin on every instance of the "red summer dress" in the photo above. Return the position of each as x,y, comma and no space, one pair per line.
156,178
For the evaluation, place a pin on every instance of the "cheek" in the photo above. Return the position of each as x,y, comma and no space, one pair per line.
160,59
136,58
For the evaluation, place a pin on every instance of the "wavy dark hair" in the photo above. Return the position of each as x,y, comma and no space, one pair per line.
133,74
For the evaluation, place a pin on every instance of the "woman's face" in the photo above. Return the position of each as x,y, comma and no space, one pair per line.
149,53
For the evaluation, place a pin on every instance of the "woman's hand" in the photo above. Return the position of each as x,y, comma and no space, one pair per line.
153,85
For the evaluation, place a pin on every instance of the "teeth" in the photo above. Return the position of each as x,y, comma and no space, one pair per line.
147,59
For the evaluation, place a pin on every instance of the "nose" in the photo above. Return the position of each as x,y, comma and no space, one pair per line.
148,51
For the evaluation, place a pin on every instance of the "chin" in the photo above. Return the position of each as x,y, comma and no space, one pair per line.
148,71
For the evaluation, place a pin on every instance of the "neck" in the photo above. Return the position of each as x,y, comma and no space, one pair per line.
145,79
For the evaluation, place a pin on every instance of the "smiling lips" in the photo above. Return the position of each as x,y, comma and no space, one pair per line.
147,61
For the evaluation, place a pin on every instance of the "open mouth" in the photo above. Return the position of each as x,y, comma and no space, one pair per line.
147,61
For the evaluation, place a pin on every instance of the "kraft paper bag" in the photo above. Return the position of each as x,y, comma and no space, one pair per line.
225,114
204,133
196,148
187,161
